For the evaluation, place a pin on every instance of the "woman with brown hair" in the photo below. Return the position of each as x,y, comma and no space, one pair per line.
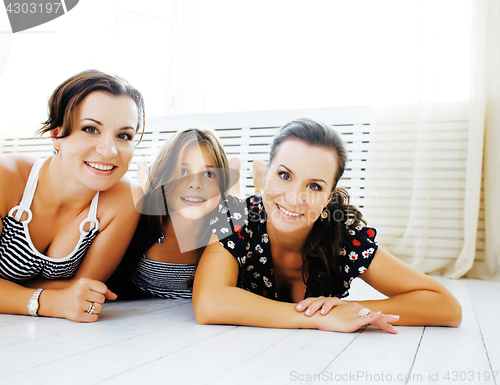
187,182
296,250
67,219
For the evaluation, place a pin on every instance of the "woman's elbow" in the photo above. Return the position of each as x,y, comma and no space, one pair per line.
204,309
453,316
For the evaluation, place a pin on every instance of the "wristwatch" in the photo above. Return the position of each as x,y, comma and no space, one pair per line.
33,303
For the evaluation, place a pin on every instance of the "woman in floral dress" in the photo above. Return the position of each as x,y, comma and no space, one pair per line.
287,258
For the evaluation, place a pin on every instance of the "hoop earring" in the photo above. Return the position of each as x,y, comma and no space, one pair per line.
55,151
324,214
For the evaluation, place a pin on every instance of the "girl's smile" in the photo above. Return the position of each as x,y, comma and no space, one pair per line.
197,192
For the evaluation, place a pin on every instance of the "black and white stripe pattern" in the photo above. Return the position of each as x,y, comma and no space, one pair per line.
162,279
18,262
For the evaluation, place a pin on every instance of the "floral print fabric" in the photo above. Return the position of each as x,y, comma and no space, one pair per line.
241,229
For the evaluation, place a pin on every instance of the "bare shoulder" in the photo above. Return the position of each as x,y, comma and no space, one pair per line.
14,172
124,190
121,200
16,165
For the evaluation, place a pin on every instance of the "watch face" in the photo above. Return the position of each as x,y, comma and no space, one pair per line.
33,306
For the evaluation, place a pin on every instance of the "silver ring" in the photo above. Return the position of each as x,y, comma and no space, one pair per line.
91,308
364,312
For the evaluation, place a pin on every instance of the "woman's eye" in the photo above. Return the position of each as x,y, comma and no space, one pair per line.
315,187
90,130
184,171
124,136
210,174
284,175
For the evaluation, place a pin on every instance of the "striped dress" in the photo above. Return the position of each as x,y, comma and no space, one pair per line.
20,260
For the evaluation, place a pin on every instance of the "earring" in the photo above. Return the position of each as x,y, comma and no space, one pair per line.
324,214
55,151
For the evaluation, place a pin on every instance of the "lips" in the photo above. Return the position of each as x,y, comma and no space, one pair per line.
193,201
287,213
100,167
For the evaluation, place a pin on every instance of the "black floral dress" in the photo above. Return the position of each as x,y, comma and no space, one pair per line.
241,229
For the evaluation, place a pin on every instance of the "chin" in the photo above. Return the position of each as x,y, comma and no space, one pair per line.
191,216
100,186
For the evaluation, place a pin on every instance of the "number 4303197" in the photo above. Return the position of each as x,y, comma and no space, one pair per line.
33,7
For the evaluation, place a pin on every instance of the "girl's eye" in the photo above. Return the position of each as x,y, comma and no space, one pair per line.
315,187
184,171
124,136
210,174
90,130
284,175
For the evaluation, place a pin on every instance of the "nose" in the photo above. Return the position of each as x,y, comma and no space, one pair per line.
106,147
295,196
194,182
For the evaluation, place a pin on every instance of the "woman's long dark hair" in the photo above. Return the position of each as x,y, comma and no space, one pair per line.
321,269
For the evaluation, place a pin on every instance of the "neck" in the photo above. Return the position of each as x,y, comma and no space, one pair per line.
54,187
185,234
289,242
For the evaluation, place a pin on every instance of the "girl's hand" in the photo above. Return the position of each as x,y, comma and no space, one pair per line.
347,314
75,302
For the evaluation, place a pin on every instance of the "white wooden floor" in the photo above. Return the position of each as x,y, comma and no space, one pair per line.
149,341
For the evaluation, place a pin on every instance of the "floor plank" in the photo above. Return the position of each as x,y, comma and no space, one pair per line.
376,356
485,297
452,355
158,340
302,353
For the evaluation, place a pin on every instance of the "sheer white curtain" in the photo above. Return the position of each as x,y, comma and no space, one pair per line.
424,176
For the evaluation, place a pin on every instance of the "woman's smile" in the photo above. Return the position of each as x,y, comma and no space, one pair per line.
101,168
288,214
100,147
298,188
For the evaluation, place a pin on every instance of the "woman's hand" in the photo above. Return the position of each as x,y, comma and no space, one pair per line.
75,302
347,314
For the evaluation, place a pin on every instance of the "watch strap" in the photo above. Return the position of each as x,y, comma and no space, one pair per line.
33,305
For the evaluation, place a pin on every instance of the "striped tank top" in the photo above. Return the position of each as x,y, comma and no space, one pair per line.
163,279
20,260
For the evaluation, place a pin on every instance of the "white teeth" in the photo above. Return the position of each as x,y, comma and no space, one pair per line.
288,212
100,166
193,199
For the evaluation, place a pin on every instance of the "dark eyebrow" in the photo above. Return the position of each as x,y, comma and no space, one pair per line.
100,124
291,172
95,121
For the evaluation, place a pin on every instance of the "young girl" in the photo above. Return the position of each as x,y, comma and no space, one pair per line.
67,219
184,188
302,239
